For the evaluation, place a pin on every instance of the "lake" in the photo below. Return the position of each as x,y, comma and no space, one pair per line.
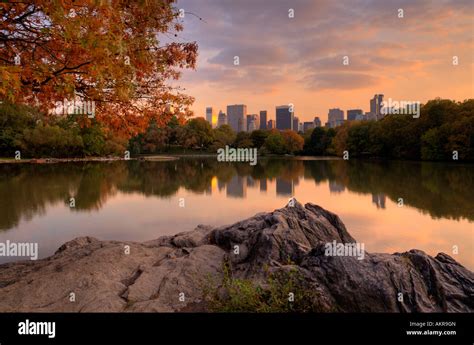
390,206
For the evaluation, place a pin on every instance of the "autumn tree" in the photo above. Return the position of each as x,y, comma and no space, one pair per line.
121,55
293,141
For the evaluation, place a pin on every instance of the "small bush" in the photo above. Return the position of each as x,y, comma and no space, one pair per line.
274,296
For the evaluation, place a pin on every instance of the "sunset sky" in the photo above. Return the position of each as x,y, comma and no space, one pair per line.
300,60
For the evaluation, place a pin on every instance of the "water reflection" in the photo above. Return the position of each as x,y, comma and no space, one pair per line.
439,189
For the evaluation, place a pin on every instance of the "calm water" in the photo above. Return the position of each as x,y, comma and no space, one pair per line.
140,201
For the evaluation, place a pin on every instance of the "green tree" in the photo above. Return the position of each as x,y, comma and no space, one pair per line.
243,140
258,137
14,119
223,135
51,141
201,130
275,143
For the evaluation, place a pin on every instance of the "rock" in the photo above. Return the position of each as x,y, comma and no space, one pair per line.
169,273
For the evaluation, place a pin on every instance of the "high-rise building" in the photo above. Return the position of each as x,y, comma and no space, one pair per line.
221,119
376,106
271,124
263,119
317,121
209,115
370,116
296,124
248,119
307,125
354,114
335,117
236,117
253,122
284,117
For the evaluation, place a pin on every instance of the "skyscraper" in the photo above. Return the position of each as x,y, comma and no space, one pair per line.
354,114
209,115
307,125
253,122
296,124
284,117
376,106
370,116
236,117
335,117
317,121
263,119
221,119
271,124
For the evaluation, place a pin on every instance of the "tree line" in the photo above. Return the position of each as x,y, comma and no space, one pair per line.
444,130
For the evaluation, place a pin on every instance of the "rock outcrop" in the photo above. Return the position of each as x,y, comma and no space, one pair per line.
166,274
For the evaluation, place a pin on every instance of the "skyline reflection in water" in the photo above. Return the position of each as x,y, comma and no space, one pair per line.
139,200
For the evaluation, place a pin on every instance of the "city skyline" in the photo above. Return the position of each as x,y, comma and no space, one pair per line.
335,117
280,65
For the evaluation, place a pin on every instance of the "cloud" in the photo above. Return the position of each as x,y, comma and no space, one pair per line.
278,52
339,80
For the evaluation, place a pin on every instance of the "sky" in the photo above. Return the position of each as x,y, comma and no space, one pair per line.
330,54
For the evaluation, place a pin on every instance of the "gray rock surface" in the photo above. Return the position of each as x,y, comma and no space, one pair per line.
168,274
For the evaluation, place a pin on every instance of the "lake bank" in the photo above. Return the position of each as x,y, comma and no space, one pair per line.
85,159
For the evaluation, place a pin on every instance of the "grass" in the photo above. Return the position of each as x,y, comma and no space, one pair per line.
285,290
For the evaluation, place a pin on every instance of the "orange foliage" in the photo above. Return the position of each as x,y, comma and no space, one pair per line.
108,51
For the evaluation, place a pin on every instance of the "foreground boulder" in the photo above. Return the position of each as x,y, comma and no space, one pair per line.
168,274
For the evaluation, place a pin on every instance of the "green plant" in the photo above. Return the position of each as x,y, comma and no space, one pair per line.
285,290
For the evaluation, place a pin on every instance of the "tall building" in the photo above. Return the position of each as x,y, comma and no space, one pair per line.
317,121
307,125
263,119
253,122
284,117
221,119
271,124
296,124
376,106
248,119
335,117
236,117
354,114
370,116
209,115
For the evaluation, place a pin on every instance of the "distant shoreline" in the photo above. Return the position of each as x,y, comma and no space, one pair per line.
84,159
176,156
156,157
